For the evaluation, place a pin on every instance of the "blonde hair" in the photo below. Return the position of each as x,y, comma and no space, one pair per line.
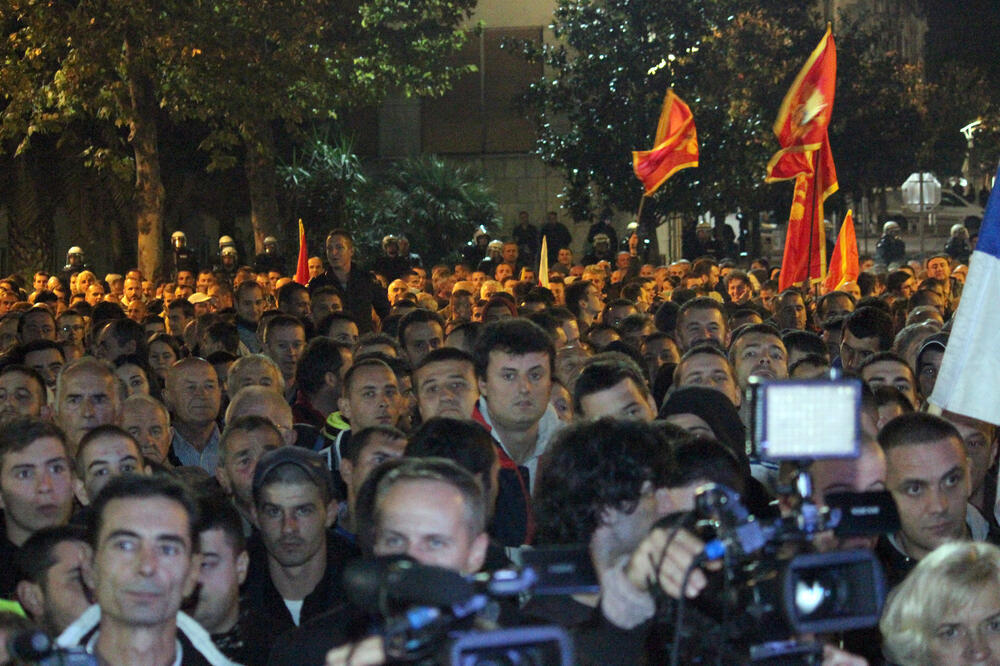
941,584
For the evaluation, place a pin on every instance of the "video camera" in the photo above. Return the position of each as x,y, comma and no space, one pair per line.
775,590
34,646
437,616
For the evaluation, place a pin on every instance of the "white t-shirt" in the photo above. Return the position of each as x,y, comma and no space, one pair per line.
295,608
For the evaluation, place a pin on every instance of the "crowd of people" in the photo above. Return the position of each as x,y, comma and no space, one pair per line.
188,467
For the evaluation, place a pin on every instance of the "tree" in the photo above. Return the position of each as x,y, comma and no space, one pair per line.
238,66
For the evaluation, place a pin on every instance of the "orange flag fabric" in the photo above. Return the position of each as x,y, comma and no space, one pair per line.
805,155
674,148
844,263
302,268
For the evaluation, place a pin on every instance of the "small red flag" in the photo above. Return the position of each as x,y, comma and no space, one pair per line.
674,148
844,264
302,269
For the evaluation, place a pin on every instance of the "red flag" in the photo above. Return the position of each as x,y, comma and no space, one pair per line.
805,155
844,264
674,148
302,269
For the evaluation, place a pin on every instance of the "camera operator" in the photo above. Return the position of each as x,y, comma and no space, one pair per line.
427,508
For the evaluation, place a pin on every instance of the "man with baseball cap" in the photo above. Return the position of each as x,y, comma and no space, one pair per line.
295,559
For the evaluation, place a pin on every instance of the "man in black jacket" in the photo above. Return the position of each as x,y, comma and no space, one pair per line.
358,289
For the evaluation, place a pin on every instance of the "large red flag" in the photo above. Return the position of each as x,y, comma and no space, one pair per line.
302,268
805,155
674,148
844,264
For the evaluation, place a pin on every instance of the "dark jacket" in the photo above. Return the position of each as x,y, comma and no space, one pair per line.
361,293
260,594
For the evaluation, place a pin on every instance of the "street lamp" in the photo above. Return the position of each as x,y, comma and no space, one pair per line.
968,131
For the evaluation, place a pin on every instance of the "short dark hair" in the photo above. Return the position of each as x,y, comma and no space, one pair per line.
321,355
462,440
595,466
34,558
287,291
182,304
218,513
747,329
702,459
281,320
700,303
249,423
366,362
869,322
446,354
30,373
575,293
35,309
101,431
916,428
417,316
136,486
352,447
244,286
226,334
603,371
21,432
513,336
126,330
806,341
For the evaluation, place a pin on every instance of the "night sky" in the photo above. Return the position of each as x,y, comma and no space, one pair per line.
964,31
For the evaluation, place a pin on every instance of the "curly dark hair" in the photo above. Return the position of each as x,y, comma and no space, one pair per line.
595,466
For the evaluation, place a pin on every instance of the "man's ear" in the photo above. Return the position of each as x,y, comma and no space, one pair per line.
477,553
242,566
665,504
30,596
345,407
80,491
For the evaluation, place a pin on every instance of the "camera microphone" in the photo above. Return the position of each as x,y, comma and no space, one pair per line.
30,646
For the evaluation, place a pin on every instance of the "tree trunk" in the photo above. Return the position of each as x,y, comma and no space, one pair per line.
30,229
261,178
149,192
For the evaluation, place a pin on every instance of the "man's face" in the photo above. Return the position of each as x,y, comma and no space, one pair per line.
136,311
938,268
293,519
339,252
701,325
509,253
760,355
36,488
517,388
133,290
836,306
427,520
315,266
791,312
421,339
739,291
185,279
908,288
64,595
855,351
980,445
144,565
95,294
478,278
177,321
284,345
223,570
323,305
108,347
397,289
88,399
930,483
193,392
20,395
446,388
39,282
71,328
658,352
710,371
379,448
298,304
565,257
930,364
343,330
235,470
502,272
892,373
373,398
461,307
205,280
38,325
150,426
105,458
624,401
250,304
592,305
